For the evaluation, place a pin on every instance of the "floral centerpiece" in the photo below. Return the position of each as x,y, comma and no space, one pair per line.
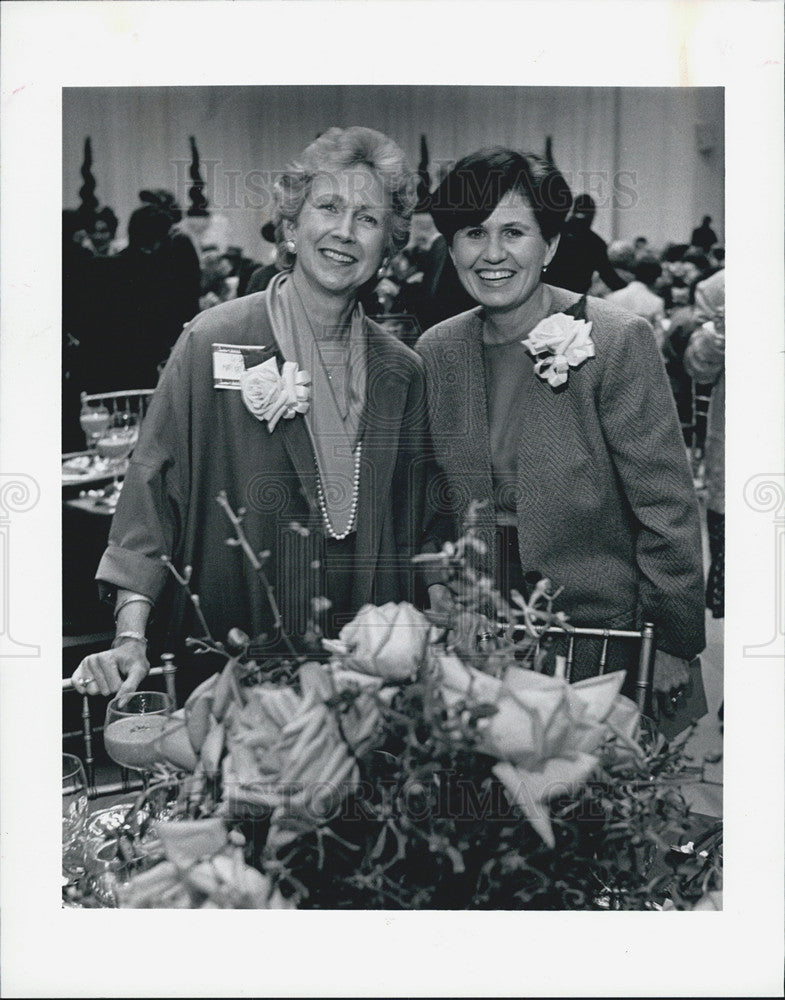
413,765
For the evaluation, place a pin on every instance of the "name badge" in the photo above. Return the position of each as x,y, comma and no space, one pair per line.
231,360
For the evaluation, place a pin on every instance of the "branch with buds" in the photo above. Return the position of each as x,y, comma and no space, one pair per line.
257,562
207,643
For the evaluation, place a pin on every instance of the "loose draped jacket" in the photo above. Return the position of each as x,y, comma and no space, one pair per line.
606,506
198,440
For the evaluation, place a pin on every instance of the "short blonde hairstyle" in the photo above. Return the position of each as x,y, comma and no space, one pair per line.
337,149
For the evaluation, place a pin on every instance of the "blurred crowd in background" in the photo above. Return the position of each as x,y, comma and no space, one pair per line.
127,295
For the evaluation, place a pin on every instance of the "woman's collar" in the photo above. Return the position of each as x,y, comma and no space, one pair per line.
553,302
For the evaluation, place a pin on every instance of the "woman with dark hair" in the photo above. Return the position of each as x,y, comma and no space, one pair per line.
300,409
554,411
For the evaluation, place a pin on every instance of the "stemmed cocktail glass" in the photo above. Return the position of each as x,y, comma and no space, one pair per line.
132,729
115,443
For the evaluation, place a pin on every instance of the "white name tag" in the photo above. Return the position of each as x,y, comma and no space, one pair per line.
229,362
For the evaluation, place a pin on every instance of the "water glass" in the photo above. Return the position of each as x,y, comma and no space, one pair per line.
74,817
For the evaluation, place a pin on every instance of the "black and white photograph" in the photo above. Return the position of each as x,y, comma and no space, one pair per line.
386,572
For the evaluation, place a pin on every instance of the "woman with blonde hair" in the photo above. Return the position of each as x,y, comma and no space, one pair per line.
302,410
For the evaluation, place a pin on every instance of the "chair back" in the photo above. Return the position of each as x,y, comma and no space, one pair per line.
167,670
695,430
133,401
645,638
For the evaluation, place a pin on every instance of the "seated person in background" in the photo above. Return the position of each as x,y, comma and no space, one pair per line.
261,277
700,261
674,252
242,268
704,359
639,296
679,325
581,252
717,257
216,272
622,256
438,294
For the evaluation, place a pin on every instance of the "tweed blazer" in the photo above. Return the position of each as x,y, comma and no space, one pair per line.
606,506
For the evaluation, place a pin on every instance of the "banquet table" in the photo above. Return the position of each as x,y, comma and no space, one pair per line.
86,519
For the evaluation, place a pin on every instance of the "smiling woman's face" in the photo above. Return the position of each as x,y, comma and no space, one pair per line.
500,260
342,230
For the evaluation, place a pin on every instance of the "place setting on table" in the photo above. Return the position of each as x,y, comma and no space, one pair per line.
111,429
108,831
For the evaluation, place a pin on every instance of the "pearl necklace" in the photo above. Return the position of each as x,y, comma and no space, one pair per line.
339,537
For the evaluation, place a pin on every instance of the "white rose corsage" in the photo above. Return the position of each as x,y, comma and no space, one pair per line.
270,394
560,342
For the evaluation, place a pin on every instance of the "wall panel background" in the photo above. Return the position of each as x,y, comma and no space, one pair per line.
652,157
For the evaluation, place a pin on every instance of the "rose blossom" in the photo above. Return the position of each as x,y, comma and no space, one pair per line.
270,395
287,755
259,386
545,732
387,642
566,339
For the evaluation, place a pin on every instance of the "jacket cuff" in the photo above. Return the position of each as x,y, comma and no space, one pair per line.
121,569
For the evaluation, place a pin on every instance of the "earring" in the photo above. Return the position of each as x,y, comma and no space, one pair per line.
291,246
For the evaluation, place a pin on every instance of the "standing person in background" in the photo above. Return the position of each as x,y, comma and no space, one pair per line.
77,260
703,236
103,231
143,297
704,360
581,252
185,260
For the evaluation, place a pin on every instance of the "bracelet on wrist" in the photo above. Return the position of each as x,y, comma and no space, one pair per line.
137,636
133,599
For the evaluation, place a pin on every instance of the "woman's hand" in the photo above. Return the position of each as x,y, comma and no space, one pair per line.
670,672
441,599
121,669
